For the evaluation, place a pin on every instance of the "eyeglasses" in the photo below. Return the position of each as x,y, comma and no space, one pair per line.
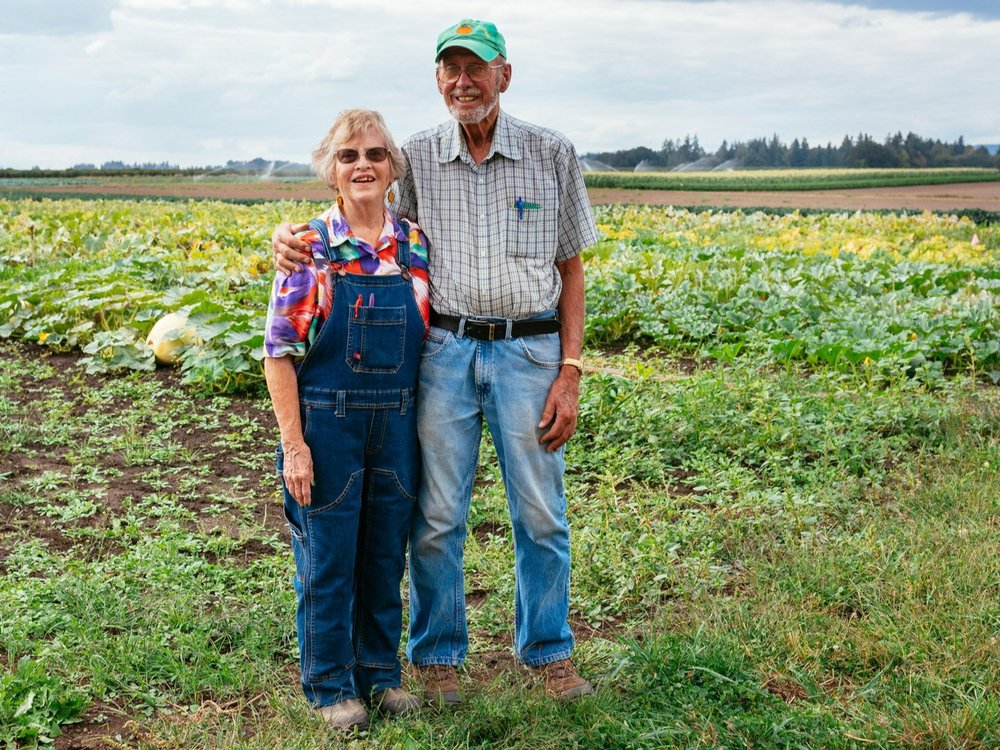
351,155
477,72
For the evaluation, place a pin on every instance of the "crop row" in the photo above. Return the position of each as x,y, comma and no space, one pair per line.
879,295
787,179
883,295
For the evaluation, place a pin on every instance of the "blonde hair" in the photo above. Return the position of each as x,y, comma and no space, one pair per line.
350,124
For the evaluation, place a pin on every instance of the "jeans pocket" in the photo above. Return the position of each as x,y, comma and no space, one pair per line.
298,541
544,350
293,524
376,339
436,341
395,482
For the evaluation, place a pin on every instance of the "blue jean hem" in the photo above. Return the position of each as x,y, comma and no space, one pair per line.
320,699
437,661
541,661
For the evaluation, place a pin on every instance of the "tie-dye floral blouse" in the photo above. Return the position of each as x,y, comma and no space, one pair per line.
301,302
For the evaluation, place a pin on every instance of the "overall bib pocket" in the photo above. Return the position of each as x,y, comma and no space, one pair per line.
376,339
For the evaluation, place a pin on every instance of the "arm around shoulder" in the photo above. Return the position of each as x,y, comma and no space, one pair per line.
288,250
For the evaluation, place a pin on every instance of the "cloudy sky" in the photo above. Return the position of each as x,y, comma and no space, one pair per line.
196,82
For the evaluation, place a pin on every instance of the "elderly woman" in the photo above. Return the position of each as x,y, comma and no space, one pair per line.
342,343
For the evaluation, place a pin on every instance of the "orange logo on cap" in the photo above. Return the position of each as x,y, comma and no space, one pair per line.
463,30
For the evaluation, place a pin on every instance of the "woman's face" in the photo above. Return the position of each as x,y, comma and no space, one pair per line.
368,176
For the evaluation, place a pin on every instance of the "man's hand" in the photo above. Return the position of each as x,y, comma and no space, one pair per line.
298,472
288,249
561,409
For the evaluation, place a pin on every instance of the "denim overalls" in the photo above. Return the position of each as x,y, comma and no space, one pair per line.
356,392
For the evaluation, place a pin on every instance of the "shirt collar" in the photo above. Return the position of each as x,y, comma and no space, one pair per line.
340,231
505,141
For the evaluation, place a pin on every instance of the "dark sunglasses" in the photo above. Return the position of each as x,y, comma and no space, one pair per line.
351,155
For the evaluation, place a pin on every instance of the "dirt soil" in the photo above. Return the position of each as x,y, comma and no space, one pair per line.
964,196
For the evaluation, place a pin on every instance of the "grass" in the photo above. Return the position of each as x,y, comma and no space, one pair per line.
763,558
785,539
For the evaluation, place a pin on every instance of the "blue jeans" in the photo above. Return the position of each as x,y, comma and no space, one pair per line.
463,380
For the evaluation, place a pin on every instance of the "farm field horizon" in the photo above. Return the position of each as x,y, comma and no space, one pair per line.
755,190
783,493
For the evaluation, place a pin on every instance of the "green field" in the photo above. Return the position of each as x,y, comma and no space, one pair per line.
783,492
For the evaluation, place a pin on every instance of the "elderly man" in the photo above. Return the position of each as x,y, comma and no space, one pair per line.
506,212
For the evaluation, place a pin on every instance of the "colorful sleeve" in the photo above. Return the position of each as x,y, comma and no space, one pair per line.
418,269
294,310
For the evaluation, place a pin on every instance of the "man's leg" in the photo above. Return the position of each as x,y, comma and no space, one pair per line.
449,424
522,371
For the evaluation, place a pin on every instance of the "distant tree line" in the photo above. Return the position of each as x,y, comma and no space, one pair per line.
90,170
118,166
862,151
257,167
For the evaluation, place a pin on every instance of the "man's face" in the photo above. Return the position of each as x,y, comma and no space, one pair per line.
472,101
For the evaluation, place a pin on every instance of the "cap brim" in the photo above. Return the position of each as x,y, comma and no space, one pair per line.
483,51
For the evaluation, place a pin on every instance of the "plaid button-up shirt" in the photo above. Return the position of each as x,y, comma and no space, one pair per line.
498,228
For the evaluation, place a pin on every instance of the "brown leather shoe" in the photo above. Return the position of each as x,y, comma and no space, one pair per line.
562,681
440,685
347,715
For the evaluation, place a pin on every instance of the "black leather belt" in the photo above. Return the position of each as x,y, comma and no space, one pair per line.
488,330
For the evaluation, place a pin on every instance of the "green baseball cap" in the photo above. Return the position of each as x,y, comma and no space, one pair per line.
479,37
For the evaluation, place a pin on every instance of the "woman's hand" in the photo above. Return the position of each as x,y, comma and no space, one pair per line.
288,249
298,472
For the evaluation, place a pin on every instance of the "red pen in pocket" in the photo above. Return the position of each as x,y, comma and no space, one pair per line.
357,305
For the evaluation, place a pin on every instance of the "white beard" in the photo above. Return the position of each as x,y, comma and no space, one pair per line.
472,116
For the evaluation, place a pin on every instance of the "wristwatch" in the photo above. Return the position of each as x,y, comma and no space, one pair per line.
574,363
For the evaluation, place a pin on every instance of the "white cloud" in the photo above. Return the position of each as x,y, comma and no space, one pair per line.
204,81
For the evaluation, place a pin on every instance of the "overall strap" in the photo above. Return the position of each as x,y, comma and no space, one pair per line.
320,226
403,247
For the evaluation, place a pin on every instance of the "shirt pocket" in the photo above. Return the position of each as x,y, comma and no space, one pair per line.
531,232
